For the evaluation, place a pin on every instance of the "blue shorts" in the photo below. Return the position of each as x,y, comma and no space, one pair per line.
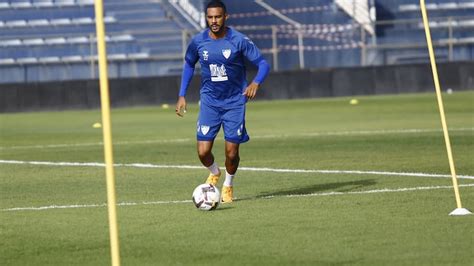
231,118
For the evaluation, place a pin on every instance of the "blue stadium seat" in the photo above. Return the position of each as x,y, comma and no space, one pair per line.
145,36
45,33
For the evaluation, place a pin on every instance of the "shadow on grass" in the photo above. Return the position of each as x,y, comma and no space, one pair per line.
317,188
224,207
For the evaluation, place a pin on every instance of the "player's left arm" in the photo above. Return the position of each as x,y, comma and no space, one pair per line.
251,52
252,88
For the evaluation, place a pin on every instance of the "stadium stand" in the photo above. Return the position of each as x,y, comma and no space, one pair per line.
451,26
147,37
37,34
317,32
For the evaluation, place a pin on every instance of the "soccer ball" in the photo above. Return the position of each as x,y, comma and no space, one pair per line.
206,197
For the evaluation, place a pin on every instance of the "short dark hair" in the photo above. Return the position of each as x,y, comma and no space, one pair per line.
216,3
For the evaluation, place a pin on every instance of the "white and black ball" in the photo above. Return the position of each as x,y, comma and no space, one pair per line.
206,197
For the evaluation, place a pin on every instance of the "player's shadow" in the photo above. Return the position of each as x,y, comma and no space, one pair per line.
338,187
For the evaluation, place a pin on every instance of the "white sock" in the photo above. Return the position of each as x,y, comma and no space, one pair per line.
228,182
214,168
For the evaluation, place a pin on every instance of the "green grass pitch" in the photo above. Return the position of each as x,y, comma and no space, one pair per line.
289,211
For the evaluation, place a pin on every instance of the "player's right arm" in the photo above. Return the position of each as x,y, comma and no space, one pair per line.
190,60
181,106
186,77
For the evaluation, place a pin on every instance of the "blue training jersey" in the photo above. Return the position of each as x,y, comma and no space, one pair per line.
223,74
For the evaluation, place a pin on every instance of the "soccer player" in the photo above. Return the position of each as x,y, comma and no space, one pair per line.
224,92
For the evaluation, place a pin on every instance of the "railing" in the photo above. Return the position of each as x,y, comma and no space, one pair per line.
453,39
449,34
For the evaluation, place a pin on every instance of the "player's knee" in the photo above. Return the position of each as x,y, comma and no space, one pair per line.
233,156
204,153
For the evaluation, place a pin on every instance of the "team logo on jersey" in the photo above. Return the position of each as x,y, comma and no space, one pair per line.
218,73
204,129
226,53
205,55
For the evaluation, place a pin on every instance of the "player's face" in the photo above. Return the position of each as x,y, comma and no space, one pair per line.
216,19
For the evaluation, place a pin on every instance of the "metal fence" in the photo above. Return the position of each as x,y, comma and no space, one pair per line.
396,42
285,47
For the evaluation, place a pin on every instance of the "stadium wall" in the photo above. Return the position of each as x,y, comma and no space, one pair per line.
84,94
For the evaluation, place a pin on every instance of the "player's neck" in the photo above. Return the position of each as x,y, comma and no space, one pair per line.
218,35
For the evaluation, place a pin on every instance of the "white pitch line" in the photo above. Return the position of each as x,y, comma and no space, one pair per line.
77,206
363,132
93,144
313,134
385,190
253,169
42,208
333,193
355,172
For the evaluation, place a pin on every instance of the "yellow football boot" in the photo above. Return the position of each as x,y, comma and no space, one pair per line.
213,179
227,196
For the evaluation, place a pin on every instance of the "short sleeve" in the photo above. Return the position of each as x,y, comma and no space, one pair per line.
192,55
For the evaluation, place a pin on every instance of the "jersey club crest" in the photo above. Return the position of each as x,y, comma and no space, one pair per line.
226,53
204,129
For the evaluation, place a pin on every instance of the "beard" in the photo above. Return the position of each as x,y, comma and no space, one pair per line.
215,28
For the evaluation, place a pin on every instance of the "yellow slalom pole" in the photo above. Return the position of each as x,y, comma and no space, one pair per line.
440,102
107,132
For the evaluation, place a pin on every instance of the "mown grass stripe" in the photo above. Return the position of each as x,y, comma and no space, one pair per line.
271,136
332,193
255,169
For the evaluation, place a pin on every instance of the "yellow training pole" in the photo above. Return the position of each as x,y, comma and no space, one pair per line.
107,132
440,102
